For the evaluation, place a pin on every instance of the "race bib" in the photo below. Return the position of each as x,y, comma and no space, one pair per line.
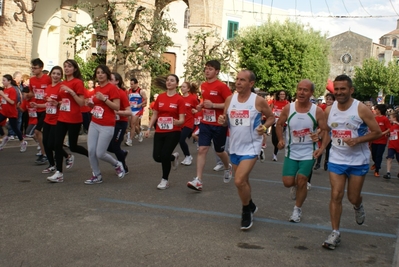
133,104
3,101
50,109
39,93
32,112
117,117
393,136
239,117
165,123
301,136
337,137
97,112
209,115
65,105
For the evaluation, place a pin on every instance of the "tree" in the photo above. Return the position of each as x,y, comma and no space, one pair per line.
205,46
136,34
282,54
374,77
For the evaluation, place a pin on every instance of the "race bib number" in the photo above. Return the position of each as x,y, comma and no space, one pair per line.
65,105
165,123
97,112
50,109
117,117
133,104
337,137
301,136
393,136
209,115
3,101
32,112
39,93
239,117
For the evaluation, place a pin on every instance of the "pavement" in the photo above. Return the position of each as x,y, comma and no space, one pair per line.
128,222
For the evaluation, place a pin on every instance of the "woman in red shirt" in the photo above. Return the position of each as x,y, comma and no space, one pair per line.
70,98
9,110
277,106
168,114
122,117
106,101
86,115
189,92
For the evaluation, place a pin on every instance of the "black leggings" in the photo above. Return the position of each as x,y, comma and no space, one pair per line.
115,144
61,130
275,138
164,144
13,124
49,142
185,133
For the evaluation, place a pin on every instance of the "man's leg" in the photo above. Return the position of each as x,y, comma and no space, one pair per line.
337,183
355,185
201,158
241,179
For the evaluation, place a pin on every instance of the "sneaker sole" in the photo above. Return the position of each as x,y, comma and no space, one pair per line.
329,246
88,183
194,188
246,228
162,188
51,181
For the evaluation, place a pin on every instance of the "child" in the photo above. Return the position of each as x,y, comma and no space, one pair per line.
393,144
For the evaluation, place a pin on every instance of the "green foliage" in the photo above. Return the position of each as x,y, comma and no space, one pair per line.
205,46
87,67
139,34
374,76
282,54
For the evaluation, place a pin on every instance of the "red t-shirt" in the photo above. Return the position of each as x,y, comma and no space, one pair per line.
394,137
384,124
32,112
102,114
9,110
124,103
169,108
216,92
38,87
88,94
69,109
52,110
190,102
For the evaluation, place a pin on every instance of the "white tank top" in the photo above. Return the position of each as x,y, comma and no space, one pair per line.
298,144
244,118
347,124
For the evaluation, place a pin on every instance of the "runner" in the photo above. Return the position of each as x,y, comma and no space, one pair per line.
243,113
277,106
138,100
302,119
352,127
214,93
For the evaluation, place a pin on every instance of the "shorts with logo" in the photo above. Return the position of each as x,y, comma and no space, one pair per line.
236,159
209,133
348,170
293,167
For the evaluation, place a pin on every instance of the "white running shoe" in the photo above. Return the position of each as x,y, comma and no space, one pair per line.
309,186
293,192
218,167
24,144
332,241
175,163
360,215
120,171
69,161
274,157
262,155
57,177
188,160
195,184
228,174
164,184
11,137
140,137
95,180
4,142
129,142
296,215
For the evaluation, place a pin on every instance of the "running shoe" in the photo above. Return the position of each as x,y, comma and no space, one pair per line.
94,179
129,142
246,220
195,184
253,207
57,177
49,169
360,215
39,153
274,158
175,163
218,167
262,155
228,174
293,192
69,161
332,241
164,184
140,137
41,160
376,174
296,215
316,167
11,137
372,167
309,186
387,176
24,144
119,170
4,142
188,160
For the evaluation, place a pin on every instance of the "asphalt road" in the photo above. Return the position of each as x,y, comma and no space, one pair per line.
129,222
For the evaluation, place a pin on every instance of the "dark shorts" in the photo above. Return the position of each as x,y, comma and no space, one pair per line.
392,153
40,120
209,133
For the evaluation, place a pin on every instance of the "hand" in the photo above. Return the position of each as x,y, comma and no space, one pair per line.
281,144
100,96
207,103
260,129
222,119
317,153
66,89
147,133
315,136
350,141
33,104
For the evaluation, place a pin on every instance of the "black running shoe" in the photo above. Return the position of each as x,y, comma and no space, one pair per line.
246,220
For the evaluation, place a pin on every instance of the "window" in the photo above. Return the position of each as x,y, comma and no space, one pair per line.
232,28
394,42
186,18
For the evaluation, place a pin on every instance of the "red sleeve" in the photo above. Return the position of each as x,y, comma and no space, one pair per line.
182,106
24,105
113,92
79,88
226,91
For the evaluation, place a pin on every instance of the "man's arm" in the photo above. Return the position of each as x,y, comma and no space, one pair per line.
280,126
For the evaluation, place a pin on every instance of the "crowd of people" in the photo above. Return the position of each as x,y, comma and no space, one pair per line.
234,125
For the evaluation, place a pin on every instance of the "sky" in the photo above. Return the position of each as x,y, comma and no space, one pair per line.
370,18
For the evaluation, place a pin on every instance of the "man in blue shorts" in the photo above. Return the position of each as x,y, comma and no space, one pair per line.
352,126
302,118
243,114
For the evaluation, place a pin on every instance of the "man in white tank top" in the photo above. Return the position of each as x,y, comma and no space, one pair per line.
302,118
243,113
352,127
